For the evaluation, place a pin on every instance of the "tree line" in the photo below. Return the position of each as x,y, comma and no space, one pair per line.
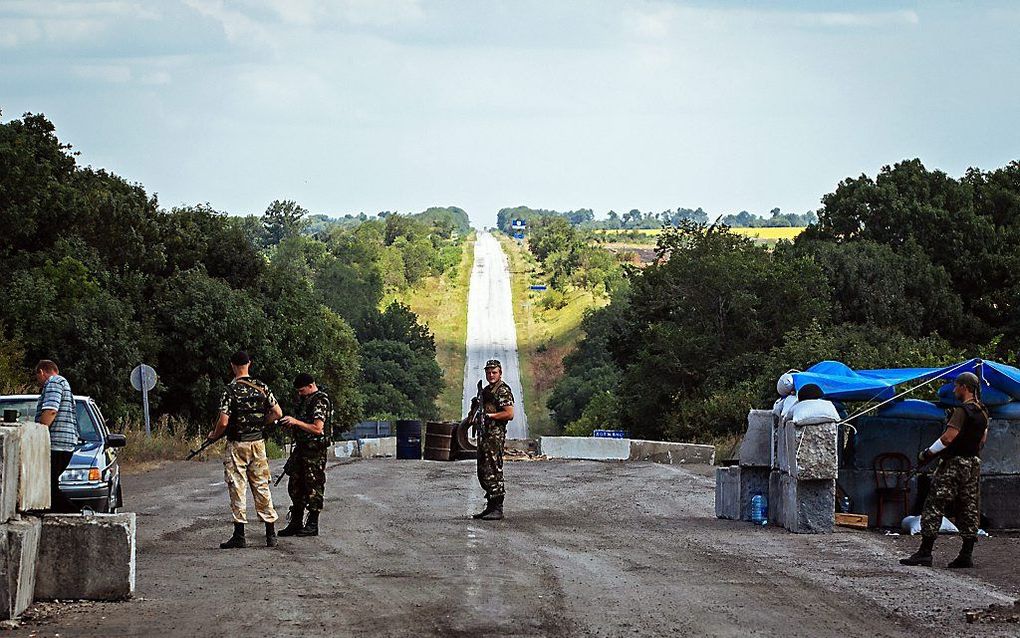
101,278
908,268
635,219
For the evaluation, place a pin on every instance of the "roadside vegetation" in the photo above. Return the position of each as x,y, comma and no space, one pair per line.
99,277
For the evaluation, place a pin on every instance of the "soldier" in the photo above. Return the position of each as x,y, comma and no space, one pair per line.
313,431
957,478
246,408
498,406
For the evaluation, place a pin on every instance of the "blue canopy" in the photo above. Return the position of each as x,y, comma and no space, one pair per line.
838,381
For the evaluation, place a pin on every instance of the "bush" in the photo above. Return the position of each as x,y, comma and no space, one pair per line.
553,300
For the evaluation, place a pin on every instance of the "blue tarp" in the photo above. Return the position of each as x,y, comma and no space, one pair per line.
838,381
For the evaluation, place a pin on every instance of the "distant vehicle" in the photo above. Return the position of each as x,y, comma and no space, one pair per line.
93,477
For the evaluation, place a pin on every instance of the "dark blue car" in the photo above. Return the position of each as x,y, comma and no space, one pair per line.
93,477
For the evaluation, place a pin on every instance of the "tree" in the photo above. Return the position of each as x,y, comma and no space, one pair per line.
283,219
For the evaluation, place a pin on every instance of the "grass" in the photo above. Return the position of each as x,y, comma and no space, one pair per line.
441,302
170,441
544,336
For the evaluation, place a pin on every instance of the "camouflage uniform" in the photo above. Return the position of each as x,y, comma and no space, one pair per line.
246,401
957,483
307,481
491,438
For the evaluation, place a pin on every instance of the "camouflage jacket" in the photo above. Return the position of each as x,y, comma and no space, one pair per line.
315,406
496,397
246,401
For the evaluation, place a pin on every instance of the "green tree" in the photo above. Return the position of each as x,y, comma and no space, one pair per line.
283,219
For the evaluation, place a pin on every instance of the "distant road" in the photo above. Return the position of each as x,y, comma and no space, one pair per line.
491,333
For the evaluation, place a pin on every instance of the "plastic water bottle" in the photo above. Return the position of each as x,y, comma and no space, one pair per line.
759,509
844,505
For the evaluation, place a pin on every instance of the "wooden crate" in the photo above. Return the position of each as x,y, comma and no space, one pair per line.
857,521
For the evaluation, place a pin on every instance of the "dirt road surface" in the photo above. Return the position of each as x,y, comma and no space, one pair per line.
491,333
588,549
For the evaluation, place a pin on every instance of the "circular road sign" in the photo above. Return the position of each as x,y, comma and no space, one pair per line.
143,378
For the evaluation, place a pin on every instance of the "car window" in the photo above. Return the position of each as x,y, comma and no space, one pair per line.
88,429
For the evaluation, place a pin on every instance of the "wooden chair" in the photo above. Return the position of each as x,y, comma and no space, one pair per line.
892,470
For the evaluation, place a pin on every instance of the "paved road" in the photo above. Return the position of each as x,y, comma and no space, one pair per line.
491,333
588,549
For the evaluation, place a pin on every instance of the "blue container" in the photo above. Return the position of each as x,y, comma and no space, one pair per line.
759,509
408,439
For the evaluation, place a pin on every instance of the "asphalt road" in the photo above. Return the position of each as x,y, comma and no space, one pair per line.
587,549
491,333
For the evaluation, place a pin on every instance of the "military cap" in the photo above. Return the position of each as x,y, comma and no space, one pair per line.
240,358
302,380
968,380
493,363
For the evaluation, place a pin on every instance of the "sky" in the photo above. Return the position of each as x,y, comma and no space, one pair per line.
371,105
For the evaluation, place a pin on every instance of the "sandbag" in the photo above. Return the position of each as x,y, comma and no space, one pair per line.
989,396
813,412
913,409
788,404
785,386
777,407
1009,411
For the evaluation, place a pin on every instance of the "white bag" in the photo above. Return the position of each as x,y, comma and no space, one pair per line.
777,407
784,386
788,404
813,412
912,524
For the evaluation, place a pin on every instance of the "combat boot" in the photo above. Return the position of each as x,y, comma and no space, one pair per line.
966,557
237,540
923,555
496,513
271,535
297,517
487,510
311,527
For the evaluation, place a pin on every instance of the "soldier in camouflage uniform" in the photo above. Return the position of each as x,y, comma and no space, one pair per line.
498,406
307,475
957,480
247,406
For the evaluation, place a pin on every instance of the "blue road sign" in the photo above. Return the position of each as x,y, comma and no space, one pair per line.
609,434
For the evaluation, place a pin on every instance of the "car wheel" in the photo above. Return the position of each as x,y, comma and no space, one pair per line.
116,501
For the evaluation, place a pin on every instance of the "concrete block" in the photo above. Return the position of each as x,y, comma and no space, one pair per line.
34,477
808,506
384,447
671,453
753,480
585,447
19,552
727,492
879,435
521,445
86,557
756,446
1000,502
786,447
1001,454
776,502
814,455
345,449
10,469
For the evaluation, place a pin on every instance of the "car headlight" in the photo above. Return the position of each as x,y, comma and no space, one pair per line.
80,475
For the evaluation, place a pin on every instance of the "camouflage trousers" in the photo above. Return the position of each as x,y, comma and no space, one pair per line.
306,483
957,483
490,459
244,464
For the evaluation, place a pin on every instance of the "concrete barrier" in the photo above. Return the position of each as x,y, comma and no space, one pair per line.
815,457
671,453
86,557
776,513
999,501
345,449
18,556
34,477
384,447
10,469
1001,454
808,507
585,447
756,446
753,480
727,492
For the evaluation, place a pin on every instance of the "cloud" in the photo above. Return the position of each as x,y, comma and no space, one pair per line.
352,12
109,73
856,20
19,32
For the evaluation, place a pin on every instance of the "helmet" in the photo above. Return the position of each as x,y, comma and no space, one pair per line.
785,385
969,380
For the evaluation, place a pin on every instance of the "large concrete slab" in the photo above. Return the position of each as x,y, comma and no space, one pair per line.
671,453
756,446
1000,502
19,552
808,506
384,447
1001,454
880,435
585,447
345,449
814,456
86,557
10,469
34,477
776,502
727,492
753,480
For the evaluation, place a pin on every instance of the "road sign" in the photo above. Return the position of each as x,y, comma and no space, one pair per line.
143,379
538,287
609,434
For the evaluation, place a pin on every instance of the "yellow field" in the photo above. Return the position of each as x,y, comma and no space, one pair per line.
767,234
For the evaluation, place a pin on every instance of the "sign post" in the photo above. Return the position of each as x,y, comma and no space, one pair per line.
143,379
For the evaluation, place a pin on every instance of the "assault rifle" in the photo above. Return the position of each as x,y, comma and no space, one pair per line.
476,415
195,453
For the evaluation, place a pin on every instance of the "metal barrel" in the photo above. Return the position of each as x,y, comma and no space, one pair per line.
439,440
408,439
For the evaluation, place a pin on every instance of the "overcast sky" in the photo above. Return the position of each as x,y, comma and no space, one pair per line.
372,105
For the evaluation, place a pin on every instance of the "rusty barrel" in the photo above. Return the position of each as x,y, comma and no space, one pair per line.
439,440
